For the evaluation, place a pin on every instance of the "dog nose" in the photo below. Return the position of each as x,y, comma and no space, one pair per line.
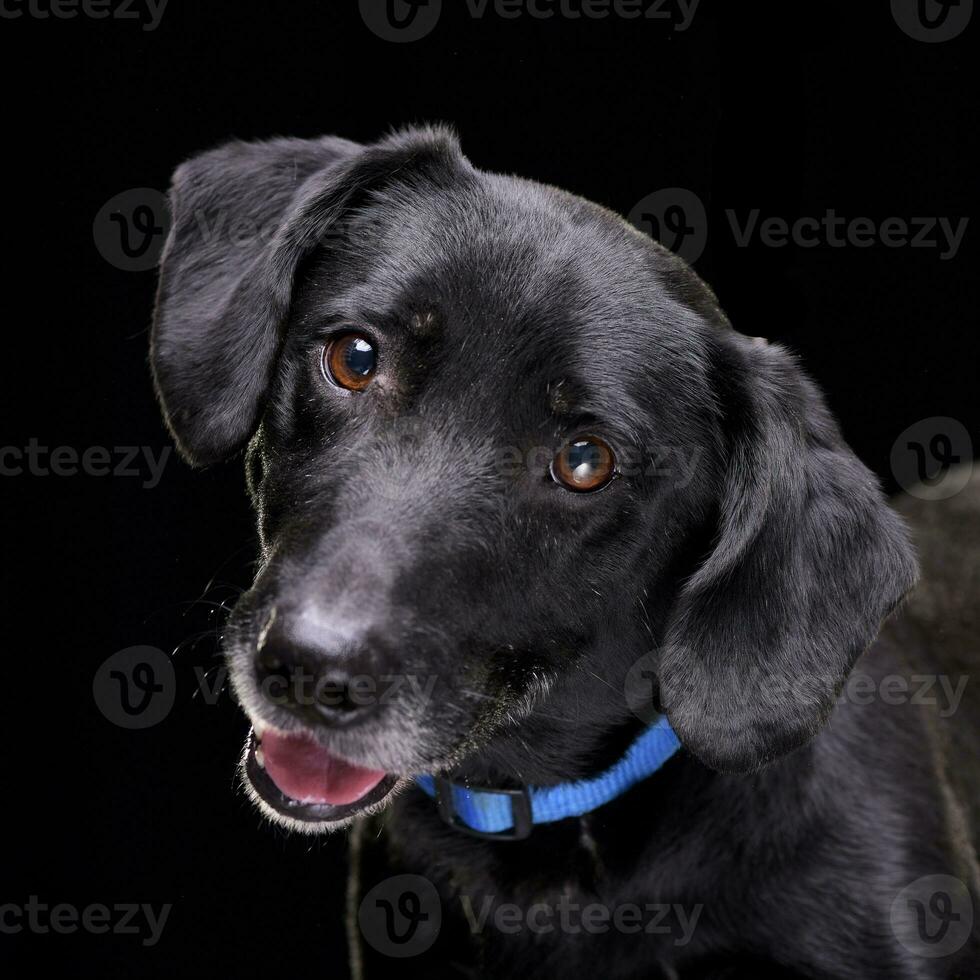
319,683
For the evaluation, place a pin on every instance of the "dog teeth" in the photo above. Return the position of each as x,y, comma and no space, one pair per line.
258,730
260,758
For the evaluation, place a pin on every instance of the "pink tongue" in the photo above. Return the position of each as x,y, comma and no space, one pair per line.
307,772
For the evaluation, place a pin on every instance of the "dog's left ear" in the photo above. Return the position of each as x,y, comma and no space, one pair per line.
807,561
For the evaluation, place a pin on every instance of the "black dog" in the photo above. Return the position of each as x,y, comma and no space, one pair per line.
513,468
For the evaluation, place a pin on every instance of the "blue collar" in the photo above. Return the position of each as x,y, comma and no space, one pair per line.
510,814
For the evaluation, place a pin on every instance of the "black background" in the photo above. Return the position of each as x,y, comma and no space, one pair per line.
789,108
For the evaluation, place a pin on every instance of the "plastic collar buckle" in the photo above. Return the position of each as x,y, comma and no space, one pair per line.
520,808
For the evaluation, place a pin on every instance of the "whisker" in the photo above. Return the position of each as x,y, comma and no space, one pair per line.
194,638
601,679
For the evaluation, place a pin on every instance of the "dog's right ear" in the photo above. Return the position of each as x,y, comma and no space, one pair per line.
220,296
243,218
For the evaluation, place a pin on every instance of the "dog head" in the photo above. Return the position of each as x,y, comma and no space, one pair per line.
501,447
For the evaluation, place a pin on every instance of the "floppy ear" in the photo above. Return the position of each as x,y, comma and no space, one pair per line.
243,218
807,562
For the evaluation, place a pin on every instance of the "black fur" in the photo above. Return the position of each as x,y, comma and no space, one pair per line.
414,529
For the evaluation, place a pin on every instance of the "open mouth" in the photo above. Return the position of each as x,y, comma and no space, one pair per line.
298,778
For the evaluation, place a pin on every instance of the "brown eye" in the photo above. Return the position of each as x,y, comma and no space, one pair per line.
350,361
585,464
